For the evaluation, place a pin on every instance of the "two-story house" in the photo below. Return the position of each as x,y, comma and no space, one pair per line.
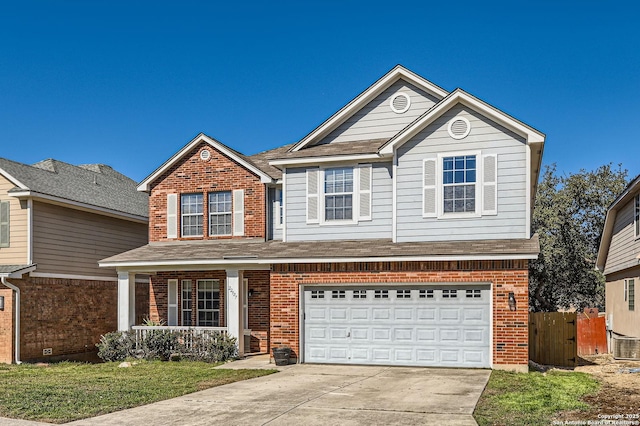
56,221
619,260
397,232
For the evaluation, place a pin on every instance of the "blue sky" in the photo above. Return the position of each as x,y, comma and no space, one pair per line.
129,83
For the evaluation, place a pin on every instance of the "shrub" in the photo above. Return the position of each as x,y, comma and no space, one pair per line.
160,344
116,346
217,348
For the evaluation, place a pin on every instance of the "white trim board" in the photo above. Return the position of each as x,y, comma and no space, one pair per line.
398,72
264,178
81,277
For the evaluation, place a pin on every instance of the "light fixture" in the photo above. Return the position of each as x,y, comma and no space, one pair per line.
512,302
1,303
250,292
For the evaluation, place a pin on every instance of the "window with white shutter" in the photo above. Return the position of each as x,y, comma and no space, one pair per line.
364,194
429,194
172,215
490,184
5,207
238,212
313,188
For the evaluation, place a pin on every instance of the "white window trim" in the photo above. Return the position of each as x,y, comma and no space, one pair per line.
197,299
182,215
355,198
210,213
278,210
440,214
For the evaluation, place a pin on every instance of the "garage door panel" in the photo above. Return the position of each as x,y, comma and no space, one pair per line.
421,326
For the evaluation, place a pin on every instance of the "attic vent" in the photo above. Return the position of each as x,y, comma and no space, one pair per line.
400,103
205,155
459,128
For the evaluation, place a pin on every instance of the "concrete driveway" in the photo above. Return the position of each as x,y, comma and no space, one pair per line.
310,394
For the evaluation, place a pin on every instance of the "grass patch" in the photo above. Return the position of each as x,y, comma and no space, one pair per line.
68,391
532,398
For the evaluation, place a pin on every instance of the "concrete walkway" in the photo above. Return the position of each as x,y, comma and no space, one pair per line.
310,394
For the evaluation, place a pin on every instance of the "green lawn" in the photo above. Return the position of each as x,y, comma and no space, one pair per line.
532,398
70,391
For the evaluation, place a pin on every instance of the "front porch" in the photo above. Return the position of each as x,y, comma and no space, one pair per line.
199,303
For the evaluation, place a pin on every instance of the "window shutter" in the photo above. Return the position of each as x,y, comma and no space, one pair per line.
313,189
490,184
429,201
4,223
172,215
238,212
172,302
365,191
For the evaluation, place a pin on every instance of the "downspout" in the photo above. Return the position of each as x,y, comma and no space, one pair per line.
16,291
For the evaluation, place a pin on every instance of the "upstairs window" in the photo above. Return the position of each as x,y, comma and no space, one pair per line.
338,194
636,222
191,212
459,184
4,223
220,213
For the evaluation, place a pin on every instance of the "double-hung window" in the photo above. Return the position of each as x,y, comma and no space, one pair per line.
630,293
208,303
186,302
192,215
636,222
220,213
338,194
459,184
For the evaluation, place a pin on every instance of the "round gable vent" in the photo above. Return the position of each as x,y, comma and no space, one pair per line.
400,103
459,127
205,154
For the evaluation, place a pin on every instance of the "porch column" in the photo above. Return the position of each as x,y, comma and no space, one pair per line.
126,300
235,318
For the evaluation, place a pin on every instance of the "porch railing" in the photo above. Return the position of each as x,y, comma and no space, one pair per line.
187,336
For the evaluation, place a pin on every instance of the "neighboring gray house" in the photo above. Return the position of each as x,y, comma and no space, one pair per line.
56,221
619,260
395,233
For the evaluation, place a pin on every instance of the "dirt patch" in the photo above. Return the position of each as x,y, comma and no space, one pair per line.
619,394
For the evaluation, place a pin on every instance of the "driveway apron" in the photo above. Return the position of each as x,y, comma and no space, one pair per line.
310,394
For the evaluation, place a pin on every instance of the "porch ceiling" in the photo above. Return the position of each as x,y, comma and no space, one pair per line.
247,252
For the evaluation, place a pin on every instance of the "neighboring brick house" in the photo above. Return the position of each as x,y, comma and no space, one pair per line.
395,233
56,221
619,260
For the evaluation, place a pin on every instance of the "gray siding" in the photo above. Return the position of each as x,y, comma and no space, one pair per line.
376,120
295,210
68,241
624,247
490,138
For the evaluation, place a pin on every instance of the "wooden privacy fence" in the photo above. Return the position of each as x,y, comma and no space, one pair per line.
592,334
552,338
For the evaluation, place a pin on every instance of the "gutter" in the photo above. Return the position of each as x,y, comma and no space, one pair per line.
16,290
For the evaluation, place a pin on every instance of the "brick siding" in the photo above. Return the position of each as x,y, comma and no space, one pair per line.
193,175
6,327
510,328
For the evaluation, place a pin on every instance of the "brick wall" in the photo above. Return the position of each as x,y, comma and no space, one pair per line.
258,302
510,328
193,175
6,327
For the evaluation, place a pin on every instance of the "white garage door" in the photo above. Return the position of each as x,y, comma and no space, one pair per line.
444,326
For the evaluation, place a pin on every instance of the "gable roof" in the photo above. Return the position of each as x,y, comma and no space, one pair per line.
239,158
91,186
396,73
607,233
